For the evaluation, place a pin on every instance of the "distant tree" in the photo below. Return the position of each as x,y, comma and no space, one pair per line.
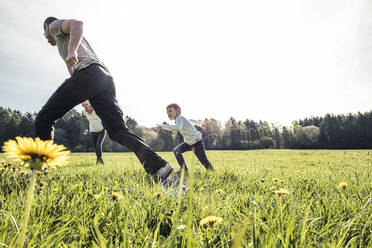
311,134
267,142
287,139
238,135
4,119
225,139
133,126
252,130
264,129
150,136
9,124
71,123
212,133
61,137
306,137
27,126
330,132
167,140
278,138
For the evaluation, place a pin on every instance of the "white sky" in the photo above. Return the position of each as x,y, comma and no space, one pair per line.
270,60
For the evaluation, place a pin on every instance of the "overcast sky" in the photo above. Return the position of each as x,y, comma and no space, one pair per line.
270,60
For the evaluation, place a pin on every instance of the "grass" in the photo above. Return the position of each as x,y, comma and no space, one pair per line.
74,206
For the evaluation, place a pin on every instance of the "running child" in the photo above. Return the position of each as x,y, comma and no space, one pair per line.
192,138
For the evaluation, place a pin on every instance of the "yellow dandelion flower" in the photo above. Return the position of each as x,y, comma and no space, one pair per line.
262,180
116,196
219,191
272,188
343,185
211,221
42,183
275,179
96,197
281,192
158,194
35,153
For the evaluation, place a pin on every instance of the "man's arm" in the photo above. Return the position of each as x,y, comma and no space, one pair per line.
75,29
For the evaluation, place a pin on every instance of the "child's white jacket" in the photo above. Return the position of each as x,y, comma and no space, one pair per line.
186,128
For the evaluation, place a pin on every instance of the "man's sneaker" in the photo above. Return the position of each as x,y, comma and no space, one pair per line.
164,172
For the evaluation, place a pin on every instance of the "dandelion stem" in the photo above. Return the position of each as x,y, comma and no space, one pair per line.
101,240
26,214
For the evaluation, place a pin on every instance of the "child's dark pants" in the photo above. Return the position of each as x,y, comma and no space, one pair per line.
199,150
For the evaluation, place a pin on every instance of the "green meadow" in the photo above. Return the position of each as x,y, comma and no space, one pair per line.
266,198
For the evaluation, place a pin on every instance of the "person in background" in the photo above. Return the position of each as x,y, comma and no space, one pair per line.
96,129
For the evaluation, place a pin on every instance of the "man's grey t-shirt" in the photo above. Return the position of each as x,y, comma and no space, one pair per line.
85,54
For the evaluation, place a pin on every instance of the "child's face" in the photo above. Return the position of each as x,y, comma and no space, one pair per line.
172,113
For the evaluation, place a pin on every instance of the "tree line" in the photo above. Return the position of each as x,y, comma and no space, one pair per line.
351,131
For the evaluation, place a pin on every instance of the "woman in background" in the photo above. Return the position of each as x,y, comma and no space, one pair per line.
96,129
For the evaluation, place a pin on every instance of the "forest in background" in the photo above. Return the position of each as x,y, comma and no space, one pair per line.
345,131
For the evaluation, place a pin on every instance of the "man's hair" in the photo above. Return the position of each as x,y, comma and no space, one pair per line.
175,106
49,20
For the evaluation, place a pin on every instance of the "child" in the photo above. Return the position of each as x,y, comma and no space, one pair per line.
96,129
192,138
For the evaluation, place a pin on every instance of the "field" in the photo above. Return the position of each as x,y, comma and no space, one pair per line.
266,198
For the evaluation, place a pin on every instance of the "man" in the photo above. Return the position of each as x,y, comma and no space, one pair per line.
91,80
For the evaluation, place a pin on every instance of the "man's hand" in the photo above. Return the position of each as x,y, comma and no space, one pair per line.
71,59
204,127
158,128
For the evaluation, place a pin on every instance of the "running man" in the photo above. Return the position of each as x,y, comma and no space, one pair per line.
91,80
